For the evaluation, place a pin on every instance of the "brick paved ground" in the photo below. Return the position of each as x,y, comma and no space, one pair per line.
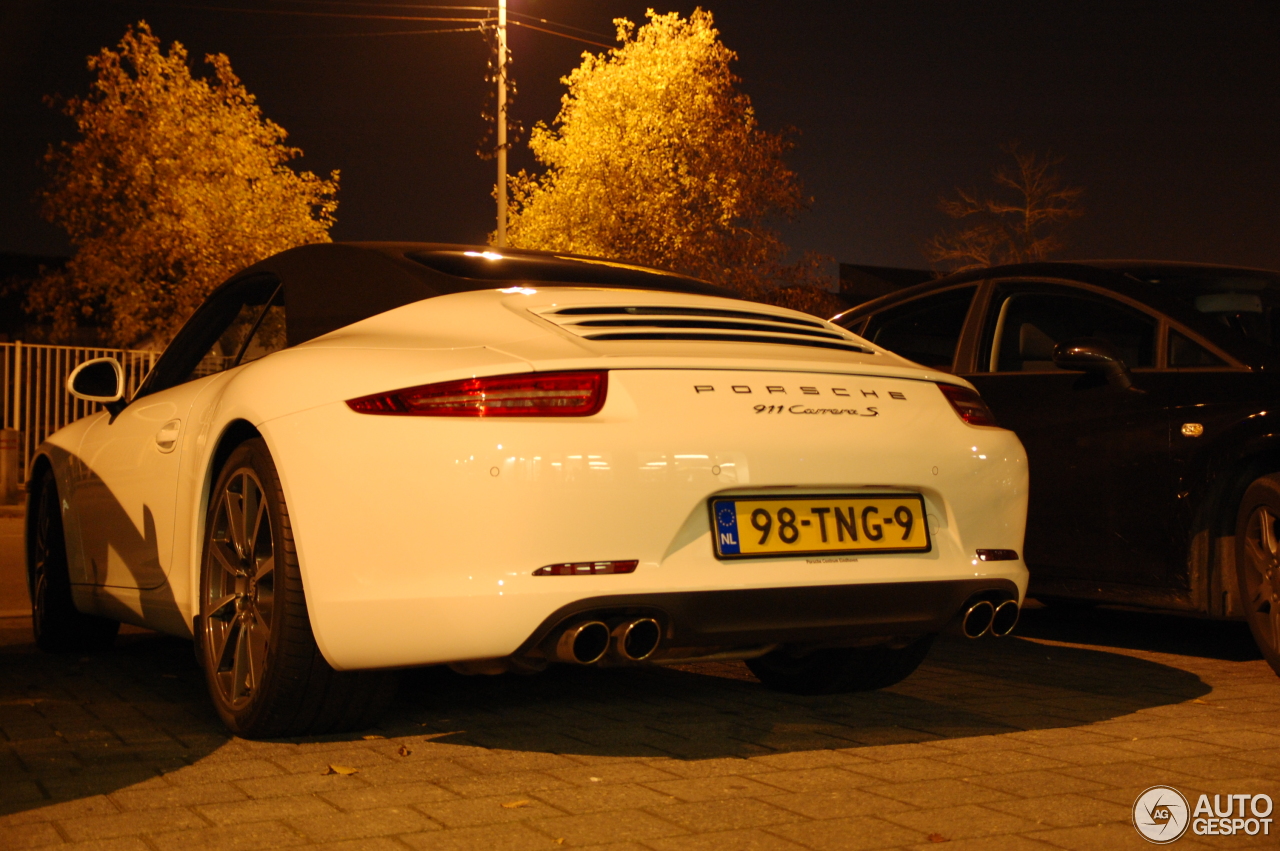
1037,742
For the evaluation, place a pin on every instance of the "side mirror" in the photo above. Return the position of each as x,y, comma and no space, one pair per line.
99,380
1099,357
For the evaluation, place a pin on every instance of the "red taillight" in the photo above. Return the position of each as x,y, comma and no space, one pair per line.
534,394
968,405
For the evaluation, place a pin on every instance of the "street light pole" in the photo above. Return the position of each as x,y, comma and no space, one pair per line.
502,124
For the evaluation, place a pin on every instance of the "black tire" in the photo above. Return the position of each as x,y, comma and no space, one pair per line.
1258,564
59,627
840,669
262,666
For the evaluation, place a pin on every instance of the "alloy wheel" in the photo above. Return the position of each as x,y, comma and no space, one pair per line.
1261,577
40,561
240,591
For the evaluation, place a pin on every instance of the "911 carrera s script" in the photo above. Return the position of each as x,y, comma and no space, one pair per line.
805,409
826,525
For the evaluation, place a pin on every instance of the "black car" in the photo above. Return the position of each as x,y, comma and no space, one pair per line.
1148,398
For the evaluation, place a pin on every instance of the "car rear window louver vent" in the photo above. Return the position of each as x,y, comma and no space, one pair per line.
679,324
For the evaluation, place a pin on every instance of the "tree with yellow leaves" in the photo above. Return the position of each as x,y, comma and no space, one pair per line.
656,157
1020,224
175,183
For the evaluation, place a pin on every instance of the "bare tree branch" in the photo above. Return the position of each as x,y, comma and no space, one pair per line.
1022,224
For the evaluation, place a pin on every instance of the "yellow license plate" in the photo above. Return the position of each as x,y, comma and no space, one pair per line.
819,525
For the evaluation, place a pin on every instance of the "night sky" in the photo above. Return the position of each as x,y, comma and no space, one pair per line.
1167,113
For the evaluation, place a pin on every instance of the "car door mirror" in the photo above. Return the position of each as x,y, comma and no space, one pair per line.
99,380
1089,354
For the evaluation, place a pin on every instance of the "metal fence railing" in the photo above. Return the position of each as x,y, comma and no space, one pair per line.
33,387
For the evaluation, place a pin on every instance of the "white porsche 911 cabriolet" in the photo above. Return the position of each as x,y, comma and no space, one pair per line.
361,457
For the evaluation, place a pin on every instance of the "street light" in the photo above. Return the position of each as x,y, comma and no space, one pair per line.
501,240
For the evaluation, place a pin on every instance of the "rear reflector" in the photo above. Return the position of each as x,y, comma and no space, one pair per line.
534,394
998,555
968,405
587,568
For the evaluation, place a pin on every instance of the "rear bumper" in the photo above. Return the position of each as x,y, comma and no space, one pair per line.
419,538
406,632
819,613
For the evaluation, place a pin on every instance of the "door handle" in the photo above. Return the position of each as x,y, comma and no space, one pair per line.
167,436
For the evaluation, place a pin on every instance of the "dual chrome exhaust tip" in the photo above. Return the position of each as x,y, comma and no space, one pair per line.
634,639
984,617
588,642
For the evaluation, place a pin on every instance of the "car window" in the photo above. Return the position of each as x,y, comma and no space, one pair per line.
222,354
925,330
269,335
1024,328
223,329
248,303
1245,303
1184,352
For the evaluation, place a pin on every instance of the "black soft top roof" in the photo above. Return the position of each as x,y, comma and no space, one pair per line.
331,285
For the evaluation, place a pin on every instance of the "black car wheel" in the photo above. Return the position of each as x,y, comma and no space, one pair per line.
1258,564
839,669
58,625
264,671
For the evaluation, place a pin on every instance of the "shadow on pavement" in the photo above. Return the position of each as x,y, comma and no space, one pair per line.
75,727
1138,630
719,710
79,725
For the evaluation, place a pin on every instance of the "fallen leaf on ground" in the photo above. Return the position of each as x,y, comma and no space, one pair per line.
938,837
512,805
404,751
340,769
370,738
431,736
